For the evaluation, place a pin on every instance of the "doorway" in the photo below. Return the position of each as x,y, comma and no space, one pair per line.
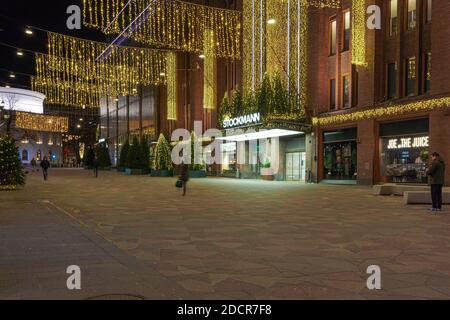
296,166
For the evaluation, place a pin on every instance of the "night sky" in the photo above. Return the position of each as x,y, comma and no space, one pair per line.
45,14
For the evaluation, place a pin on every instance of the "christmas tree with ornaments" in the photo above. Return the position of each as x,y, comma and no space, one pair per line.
12,174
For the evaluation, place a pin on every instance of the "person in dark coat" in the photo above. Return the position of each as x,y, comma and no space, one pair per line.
95,165
437,180
184,177
45,165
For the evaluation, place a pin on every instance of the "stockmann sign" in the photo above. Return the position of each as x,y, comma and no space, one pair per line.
254,118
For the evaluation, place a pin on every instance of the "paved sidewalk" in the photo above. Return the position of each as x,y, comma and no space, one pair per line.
228,239
38,241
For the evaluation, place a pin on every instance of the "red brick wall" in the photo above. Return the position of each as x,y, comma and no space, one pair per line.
440,137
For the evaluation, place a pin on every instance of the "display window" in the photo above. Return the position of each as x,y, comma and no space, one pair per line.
404,158
340,160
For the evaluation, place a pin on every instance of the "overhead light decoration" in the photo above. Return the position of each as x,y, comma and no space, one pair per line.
44,123
29,31
170,24
20,53
271,21
12,76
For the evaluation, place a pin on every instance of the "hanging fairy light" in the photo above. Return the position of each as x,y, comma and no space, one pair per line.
168,24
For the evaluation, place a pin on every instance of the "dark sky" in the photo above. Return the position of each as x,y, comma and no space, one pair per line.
45,14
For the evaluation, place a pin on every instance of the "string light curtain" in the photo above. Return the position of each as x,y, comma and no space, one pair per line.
167,24
210,73
78,71
172,113
128,65
359,33
39,122
276,41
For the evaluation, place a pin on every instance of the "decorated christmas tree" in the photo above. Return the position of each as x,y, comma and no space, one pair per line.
11,169
163,159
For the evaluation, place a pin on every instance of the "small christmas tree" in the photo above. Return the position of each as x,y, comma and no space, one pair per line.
123,159
103,158
11,169
145,154
135,156
163,159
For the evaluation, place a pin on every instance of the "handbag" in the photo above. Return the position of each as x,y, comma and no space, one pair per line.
179,184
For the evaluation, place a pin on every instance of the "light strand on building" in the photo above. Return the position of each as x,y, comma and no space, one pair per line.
172,113
380,112
39,122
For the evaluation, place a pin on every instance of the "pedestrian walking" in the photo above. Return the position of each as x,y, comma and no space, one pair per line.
95,165
33,164
184,177
436,172
45,165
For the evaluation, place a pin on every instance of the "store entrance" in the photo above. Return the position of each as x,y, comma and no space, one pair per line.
295,166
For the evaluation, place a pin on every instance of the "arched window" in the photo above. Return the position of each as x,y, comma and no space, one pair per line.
24,155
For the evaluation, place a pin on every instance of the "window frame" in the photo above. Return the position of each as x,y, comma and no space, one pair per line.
330,96
387,85
332,49
344,35
348,77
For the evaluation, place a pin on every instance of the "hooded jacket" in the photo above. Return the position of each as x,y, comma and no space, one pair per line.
437,171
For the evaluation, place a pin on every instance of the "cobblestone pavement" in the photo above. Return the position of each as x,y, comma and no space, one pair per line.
228,239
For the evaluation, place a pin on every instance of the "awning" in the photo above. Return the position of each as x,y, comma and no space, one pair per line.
263,134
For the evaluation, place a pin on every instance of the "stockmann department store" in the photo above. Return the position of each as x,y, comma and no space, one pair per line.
253,148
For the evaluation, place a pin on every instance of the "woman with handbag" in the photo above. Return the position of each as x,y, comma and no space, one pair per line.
184,178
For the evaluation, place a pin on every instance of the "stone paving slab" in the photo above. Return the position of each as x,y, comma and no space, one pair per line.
230,239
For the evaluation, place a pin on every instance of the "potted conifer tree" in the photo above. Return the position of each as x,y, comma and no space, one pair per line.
163,166
123,157
135,159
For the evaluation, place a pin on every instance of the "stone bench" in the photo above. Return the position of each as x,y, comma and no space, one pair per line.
396,189
421,197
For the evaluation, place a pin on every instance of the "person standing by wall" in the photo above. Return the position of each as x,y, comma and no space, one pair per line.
45,165
437,180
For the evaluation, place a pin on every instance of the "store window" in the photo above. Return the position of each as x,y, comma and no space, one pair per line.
393,21
24,155
340,155
404,151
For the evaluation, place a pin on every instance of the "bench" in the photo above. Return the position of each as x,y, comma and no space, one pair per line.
421,197
396,189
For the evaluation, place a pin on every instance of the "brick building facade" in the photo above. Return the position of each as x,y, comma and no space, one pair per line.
407,65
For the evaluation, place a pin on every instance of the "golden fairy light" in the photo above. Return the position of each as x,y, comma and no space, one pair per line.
167,24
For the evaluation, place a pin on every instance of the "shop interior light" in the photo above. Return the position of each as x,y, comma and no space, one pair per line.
12,75
29,31
266,134
20,53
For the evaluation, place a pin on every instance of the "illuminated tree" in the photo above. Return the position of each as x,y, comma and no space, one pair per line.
11,169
